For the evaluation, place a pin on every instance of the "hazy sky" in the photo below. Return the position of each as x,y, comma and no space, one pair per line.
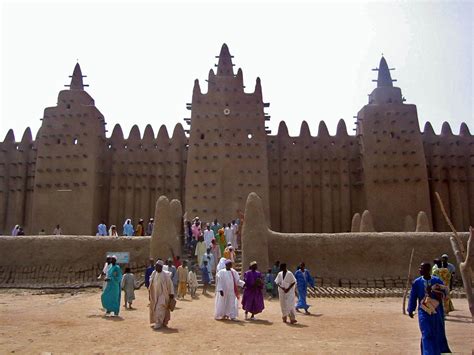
314,59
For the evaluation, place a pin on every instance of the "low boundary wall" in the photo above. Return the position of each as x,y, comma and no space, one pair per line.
26,261
341,259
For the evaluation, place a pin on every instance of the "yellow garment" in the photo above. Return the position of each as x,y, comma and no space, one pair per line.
182,289
445,276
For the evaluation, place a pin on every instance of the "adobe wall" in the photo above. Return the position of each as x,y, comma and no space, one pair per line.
315,182
142,169
450,167
342,257
64,261
68,249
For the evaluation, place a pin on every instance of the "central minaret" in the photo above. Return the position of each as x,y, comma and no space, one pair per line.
227,156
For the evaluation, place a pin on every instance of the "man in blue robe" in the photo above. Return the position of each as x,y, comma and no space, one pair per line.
303,280
149,271
111,294
428,291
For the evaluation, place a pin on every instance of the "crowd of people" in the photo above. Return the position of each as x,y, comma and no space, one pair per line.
165,280
171,280
128,229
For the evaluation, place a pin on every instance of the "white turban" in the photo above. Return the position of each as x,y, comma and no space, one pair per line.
159,262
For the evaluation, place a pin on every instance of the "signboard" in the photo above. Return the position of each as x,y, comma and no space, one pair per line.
122,257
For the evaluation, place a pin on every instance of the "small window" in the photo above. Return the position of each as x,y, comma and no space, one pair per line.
68,106
202,136
75,141
109,146
59,141
249,136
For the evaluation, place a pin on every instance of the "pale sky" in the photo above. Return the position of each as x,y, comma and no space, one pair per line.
314,58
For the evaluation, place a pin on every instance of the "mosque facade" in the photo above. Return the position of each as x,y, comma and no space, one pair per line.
74,175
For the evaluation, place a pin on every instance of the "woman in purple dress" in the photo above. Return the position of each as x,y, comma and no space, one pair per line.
252,301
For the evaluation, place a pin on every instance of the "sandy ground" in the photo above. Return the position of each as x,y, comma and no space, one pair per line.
74,323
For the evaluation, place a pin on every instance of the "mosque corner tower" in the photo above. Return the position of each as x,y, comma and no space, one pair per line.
392,154
69,180
227,157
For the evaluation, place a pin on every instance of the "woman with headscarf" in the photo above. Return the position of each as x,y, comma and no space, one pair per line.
113,231
221,240
15,230
128,228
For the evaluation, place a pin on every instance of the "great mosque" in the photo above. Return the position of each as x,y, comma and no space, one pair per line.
74,175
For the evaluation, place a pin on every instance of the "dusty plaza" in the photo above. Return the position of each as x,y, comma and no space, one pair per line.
73,322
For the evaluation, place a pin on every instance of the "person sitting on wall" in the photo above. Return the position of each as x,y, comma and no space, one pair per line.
128,228
113,231
140,231
57,230
149,227
102,229
15,230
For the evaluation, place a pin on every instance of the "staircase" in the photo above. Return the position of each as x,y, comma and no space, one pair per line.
192,260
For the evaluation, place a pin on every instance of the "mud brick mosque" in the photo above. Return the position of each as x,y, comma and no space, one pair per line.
73,174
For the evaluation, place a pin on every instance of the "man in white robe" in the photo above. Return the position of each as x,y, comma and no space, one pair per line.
161,291
208,236
230,237
227,293
286,281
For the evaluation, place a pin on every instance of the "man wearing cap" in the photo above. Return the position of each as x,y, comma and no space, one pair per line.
229,252
149,227
161,291
451,268
227,292
252,301
111,294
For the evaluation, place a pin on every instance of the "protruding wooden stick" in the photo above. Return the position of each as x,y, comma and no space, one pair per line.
462,257
450,224
408,282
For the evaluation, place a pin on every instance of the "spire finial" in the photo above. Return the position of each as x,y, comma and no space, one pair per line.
225,66
384,79
76,79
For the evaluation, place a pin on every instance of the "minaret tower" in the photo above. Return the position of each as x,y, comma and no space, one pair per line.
68,184
227,156
393,159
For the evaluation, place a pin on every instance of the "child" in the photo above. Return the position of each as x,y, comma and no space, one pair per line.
128,286
182,273
192,281
269,284
206,277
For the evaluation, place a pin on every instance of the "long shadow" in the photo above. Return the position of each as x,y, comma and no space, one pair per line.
453,316
459,320
103,316
313,315
260,321
185,300
166,330
228,321
297,325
